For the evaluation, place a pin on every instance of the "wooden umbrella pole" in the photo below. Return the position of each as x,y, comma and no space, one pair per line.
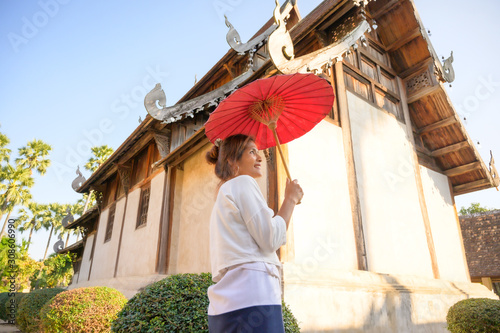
272,127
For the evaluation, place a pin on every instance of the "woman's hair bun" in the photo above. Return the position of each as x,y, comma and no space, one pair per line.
212,155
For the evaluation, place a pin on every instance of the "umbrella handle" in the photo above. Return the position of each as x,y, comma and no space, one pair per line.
273,129
278,145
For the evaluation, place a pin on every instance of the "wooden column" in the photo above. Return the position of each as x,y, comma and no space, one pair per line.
165,222
338,74
418,180
287,251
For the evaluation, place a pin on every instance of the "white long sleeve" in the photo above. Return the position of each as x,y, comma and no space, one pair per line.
242,226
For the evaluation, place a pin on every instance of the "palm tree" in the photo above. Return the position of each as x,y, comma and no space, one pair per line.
17,182
32,218
101,154
57,213
34,156
4,152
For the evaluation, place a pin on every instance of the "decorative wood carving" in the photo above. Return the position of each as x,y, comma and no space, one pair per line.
125,172
281,48
493,171
448,72
234,40
418,82
68,219
163,144
79,180
155,101
59,245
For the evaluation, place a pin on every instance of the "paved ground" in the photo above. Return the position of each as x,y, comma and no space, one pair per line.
4,327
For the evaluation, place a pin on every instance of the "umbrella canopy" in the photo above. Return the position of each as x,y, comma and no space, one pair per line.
289,105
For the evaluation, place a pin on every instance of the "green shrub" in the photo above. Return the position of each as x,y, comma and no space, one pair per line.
4,298
474,315
90,309
28,312
178,303
7,311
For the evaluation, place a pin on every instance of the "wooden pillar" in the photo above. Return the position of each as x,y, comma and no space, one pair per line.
418,180
165,222
287,251
486,281
338,74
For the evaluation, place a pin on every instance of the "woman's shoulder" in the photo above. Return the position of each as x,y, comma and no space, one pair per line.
239,183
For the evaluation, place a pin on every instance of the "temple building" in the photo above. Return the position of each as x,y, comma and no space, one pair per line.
376,244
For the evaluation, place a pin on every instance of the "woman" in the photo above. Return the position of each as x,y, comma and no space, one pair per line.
244,238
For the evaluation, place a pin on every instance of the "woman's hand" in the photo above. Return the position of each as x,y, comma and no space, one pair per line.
293,191
293,195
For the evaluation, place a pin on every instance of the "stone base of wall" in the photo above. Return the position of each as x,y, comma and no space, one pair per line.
338,301
128,286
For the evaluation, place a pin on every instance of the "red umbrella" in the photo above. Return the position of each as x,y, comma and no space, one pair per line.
274,110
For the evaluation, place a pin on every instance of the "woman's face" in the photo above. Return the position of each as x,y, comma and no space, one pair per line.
250,162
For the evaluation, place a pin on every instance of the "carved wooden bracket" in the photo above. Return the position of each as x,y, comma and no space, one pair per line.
125,172
163,144
421,84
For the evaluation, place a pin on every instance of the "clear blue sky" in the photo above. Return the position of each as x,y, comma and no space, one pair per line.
74,73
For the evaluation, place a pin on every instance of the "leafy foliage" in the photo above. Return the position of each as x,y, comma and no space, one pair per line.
56,271
7,310
28,312
474,208
34,156
90,309
474,315
100,155
4,298
21,265
177,303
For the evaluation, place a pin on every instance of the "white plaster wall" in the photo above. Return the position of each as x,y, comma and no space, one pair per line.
195,194
392,219
105,253
322,223
444,226
194,199
86,262
139,247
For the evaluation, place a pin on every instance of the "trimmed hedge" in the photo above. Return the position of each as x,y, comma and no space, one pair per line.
4,298
474,315
90,309
6,308
28,312
177,303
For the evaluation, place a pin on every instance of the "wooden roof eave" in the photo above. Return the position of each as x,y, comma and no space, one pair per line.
85,218
73,247
110,165
478,164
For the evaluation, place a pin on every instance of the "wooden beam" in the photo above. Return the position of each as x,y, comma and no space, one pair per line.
350,167
463,169
416,69
422,93
408,37
384,9
469,187
442,123
449,149
420,187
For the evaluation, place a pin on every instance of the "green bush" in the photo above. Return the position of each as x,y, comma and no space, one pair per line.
28,312
4,298
6,308
474,315
178,303
90,309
